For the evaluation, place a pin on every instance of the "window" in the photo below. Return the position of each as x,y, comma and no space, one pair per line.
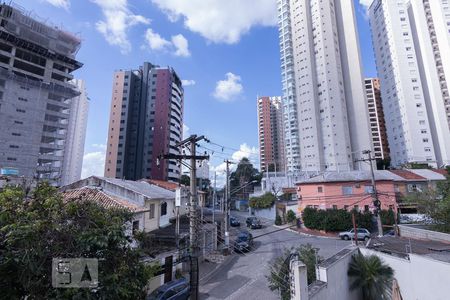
135,227
163,209
368,189
334,206
151,213
366,207
347,190
320,189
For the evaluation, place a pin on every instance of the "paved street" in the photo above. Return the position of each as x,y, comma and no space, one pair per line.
243,277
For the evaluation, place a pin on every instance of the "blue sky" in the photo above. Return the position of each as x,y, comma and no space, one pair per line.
228,48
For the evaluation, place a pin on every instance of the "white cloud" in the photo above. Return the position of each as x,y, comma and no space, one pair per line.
229,89
188,82
118,20
252,153
185,130
94,162
366,3
178,45
60,3
155,41
181,45
221,21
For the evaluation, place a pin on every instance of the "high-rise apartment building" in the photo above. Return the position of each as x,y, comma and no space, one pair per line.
411,40
289,97
36,62
146,122
76,135
376,119
321,66
270,129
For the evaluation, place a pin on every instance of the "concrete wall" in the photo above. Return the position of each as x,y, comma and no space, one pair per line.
411,231
419,278
268,213
338,283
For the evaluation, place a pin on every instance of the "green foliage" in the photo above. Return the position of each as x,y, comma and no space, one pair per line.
278,220
332,220
435,203
245,172
185,180
37,229
290,216
371,276
279,269
265,201
387,217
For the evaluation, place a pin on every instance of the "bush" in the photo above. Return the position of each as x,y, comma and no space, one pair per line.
387,217
278,220
265,201
334,219
290,216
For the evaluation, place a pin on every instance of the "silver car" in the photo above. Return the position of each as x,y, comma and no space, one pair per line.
363,234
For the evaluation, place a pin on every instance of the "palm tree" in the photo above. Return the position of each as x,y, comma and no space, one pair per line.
372,276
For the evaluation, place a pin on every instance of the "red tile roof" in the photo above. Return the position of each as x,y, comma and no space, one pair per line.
171,186
99,196
407,175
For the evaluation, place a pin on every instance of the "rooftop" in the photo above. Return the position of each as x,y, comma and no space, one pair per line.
402,247
380,175
101,197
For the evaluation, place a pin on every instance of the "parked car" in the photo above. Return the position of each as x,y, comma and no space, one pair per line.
234,222
243,242
363,234
174,290
253,223
390,233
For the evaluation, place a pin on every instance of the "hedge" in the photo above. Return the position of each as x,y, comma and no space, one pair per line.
334,219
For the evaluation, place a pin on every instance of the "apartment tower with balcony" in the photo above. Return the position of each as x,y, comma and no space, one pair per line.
146,122
411,40
325,106
36,62
76,135
271,134
376,119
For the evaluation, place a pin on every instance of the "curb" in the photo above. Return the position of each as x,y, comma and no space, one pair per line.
208,276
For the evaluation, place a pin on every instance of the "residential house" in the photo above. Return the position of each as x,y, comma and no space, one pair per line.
353,189
152,205
347,190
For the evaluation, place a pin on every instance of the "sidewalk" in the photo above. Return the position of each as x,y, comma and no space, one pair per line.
207,269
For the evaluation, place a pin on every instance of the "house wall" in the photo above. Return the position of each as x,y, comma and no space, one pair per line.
332,194
419,278
267,213
410,231
338,283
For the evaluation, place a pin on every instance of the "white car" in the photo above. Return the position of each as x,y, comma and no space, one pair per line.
363,234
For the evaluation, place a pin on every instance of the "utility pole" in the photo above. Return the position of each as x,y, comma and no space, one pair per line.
227,204
376,201
214,199
193,204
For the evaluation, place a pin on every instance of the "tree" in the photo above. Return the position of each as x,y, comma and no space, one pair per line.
290,216
371,276
245,172
265,201
36,229
278,220
435,204
185,180
279,269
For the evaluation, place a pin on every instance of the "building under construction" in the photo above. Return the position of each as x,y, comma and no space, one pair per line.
36,62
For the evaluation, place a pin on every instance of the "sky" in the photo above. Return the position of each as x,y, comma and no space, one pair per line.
227,53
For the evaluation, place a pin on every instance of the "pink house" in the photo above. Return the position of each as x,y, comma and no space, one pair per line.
347,190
